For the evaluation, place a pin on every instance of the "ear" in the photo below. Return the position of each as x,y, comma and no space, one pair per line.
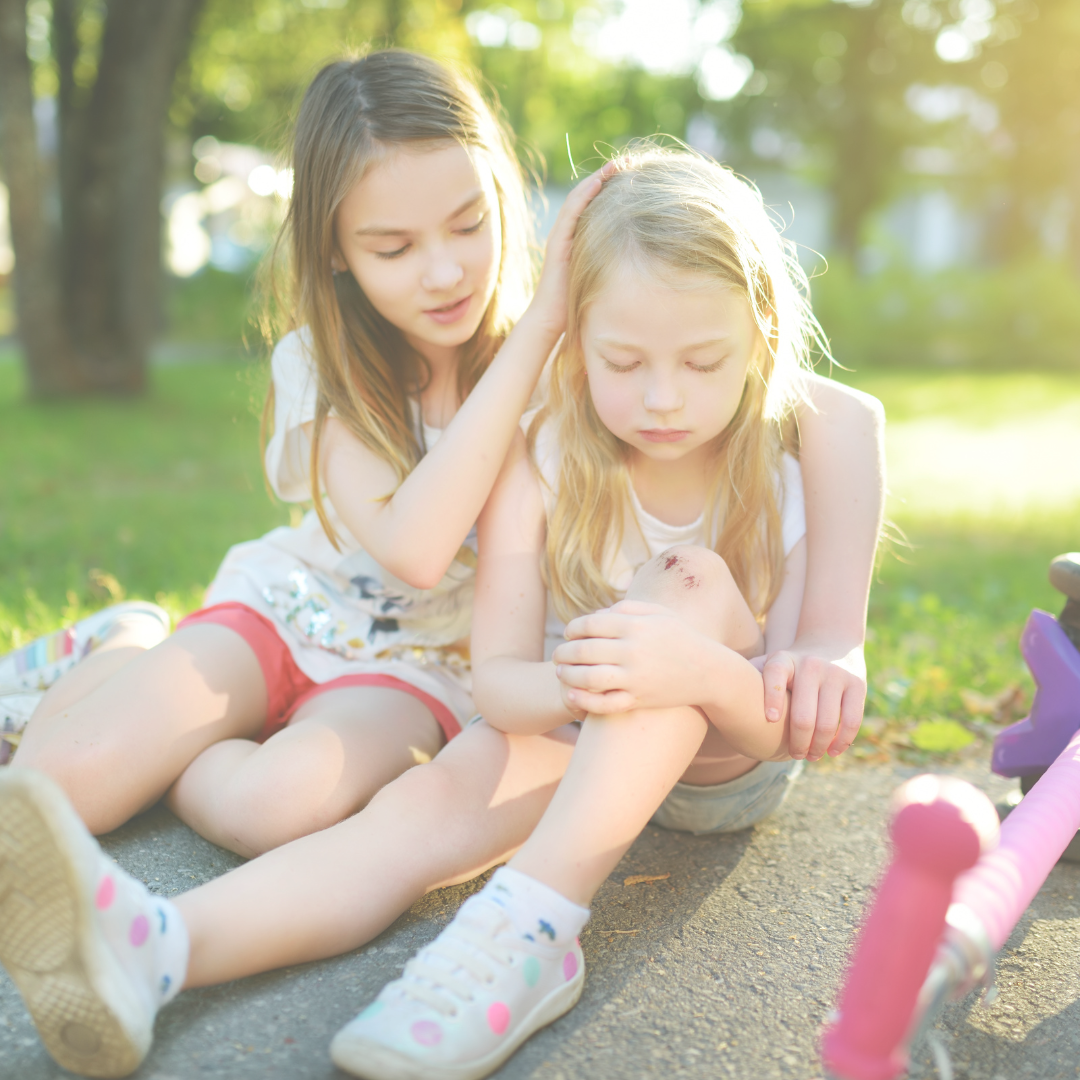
337,263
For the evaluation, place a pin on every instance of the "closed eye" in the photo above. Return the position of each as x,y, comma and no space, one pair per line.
474,228
393,254
620,368
706,368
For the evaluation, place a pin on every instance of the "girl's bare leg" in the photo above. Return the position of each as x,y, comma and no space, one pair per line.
122,646
119,747
332,891
625,764
336,752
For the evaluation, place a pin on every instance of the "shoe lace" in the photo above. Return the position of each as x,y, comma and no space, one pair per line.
446,973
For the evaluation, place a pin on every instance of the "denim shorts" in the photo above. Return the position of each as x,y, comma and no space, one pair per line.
738,804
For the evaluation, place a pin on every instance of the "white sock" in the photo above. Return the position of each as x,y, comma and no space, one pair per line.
145,931
542,914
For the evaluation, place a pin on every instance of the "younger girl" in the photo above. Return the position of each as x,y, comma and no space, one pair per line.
660,476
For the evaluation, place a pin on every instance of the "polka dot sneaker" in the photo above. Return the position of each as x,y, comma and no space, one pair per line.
92,952
37,666
466,1002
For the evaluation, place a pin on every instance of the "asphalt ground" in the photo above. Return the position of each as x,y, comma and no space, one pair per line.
726,967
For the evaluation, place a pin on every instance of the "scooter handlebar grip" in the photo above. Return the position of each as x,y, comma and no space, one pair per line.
940,827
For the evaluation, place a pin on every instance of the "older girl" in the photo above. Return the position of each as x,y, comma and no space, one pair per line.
332,656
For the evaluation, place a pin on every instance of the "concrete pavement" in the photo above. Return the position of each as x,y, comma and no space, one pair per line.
726,968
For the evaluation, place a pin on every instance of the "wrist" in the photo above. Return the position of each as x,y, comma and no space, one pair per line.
541,325
710,660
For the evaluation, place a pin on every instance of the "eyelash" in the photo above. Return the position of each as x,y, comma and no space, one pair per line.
622,369
401,251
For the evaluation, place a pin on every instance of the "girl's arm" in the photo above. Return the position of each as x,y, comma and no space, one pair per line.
418,530
843,470
514,689
643,655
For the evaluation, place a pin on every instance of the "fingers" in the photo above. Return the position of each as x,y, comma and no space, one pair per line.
804,709
851,714
778,673
595,677
617,701
590,651
600,624
580,196
571,708
828,717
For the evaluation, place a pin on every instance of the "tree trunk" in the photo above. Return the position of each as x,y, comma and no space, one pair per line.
39,305
111,211
103,278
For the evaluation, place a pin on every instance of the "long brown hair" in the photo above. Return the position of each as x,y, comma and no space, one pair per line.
674,210
352,113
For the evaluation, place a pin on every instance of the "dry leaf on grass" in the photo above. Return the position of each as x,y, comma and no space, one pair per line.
1000,707
642,879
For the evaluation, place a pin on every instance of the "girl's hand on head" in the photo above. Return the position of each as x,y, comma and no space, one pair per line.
827,699
549,303
633,655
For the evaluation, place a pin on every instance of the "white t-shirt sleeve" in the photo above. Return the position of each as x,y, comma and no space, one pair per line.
288,453
793,512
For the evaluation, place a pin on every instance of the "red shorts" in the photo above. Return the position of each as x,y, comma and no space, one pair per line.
287,687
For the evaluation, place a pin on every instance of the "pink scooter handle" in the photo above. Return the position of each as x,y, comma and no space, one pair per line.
1000,887
940,827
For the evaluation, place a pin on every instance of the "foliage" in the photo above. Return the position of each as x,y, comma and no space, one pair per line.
945,619
829,88
251,62
1020,314
212,307
859,96
149,492
940,736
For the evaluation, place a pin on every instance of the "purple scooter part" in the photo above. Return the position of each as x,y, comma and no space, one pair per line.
1034,743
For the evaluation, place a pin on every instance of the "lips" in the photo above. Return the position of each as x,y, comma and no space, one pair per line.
664,435
450,313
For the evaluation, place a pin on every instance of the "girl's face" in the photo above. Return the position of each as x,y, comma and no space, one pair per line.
421,234
667,363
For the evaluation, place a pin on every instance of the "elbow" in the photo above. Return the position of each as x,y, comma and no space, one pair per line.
423,577
419,572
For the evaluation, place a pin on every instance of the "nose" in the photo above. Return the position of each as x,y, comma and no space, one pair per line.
442,272
662,396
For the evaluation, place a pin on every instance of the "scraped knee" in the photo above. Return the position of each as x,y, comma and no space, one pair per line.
683,570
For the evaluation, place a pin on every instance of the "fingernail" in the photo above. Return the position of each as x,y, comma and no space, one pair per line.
558,670
772,714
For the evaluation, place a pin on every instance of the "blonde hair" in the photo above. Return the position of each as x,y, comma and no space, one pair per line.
674,211
353,112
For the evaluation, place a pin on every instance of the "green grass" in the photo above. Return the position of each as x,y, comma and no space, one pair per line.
138,497
144,497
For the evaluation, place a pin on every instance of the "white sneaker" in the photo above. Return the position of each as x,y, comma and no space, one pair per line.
88,947
465,1003
38,665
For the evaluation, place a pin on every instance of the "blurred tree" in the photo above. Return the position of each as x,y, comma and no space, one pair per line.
831,77
1030,67
250,61
87,277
